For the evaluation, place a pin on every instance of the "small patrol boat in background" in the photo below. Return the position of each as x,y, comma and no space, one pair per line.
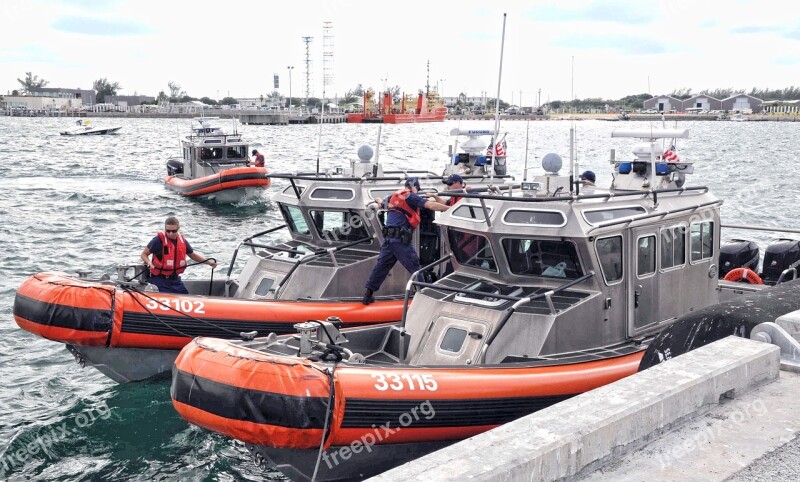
556,290
119,325
87,128
215,165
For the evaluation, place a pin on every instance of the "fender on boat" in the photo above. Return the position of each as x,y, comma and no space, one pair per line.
264,405
81,312
233,178
60,308
737,316
281,401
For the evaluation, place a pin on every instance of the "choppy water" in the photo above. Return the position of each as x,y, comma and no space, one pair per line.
94,202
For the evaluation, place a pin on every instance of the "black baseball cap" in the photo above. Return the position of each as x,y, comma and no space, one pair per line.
452,179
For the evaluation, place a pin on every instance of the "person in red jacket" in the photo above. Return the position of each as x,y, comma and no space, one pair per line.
169,250
258,159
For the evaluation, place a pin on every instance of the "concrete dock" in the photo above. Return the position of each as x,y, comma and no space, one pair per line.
618,431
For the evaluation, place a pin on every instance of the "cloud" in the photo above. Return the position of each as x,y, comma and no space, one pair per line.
615,12
748,29
625,44
99,26
793,34
787,59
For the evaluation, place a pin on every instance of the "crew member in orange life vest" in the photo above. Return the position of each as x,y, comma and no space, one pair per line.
454,182
169,250
401,221
259,160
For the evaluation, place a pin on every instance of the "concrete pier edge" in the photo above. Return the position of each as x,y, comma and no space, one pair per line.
581,434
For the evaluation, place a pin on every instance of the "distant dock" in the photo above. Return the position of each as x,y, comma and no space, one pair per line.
253,117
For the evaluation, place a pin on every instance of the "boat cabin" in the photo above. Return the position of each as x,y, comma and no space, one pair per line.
209,150
336,232
553,271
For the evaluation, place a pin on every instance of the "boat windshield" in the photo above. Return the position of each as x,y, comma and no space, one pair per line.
295,220
340,226
472,250
540,257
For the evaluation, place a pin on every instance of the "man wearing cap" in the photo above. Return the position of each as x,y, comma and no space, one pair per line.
587,178
259,159
402,219
454,182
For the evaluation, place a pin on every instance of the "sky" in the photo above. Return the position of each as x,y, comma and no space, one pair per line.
551,50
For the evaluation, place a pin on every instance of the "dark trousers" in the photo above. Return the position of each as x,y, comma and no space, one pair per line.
168,285
392,251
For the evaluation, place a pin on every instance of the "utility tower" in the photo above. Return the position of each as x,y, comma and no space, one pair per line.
327,58
307,40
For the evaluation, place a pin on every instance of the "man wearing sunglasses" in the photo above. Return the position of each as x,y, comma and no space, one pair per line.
169,250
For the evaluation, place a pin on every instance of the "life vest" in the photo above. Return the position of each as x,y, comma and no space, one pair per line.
166,266
398,203
259,160
454,199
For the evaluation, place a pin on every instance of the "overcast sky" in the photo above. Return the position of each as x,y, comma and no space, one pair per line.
234,47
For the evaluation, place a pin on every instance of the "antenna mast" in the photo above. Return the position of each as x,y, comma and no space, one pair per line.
307,40
496,137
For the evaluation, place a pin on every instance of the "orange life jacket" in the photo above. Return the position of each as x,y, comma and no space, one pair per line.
398,203
454,199
170,262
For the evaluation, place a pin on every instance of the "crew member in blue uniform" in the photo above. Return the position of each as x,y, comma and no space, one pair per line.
401,220
454,182
169,250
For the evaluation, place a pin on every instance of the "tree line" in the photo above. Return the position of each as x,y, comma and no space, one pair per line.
105,88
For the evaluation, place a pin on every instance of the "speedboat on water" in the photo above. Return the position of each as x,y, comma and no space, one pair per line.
86,128
215,165
121,326
556,290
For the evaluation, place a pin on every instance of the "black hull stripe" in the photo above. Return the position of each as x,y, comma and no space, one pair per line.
171,325
236,403
62,316
364,413
218,181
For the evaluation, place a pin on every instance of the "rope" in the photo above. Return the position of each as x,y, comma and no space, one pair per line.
327,419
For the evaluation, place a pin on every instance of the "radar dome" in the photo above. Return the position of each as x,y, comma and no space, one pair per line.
552,163
365,153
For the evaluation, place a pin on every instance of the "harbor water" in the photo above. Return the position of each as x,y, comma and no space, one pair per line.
92,203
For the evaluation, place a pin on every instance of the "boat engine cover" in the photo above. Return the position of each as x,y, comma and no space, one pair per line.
779,256
174,167
738,253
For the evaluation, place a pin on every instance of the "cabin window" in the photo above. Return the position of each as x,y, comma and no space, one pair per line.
472,250
237,152
264,286
334,226
600,216
295,220
453,340
210,153
646,256
527,217
702,240
609,253
471,212
289,190
673,247
331,194
540,257
186,154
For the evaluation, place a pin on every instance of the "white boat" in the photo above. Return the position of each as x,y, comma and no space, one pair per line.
86,128
738,117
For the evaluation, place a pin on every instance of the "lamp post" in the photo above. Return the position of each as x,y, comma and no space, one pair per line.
290,68
520,102
441,92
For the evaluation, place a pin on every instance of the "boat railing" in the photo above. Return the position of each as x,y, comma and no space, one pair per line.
311,177
660,214
518,301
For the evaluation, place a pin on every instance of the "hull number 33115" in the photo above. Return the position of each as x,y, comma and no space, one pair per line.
405,381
